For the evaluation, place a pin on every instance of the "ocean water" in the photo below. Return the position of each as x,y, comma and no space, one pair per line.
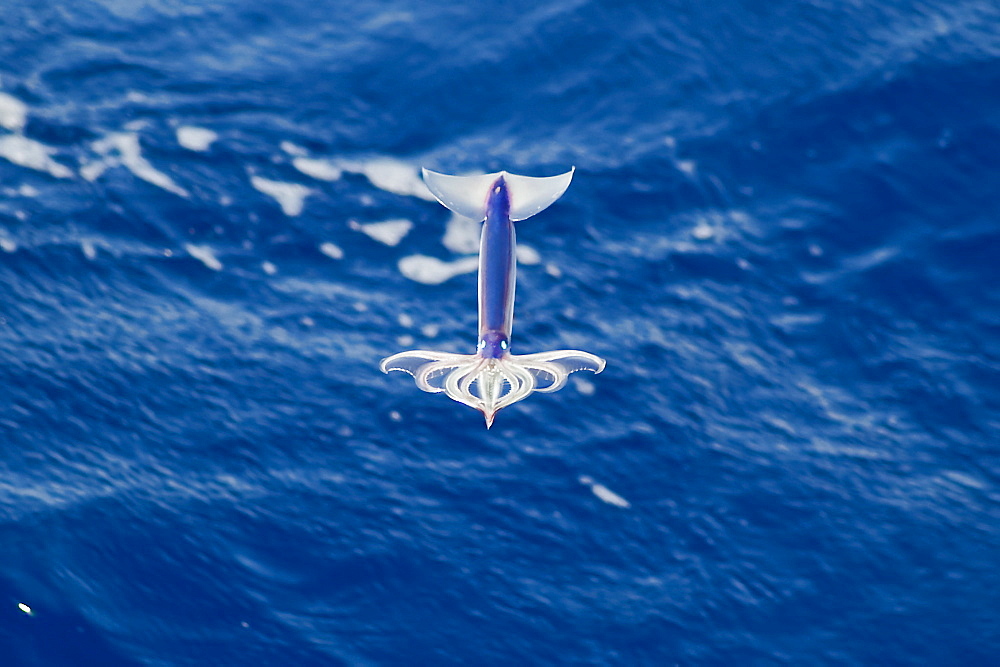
782,235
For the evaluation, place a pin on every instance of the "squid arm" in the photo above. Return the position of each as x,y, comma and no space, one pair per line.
486,384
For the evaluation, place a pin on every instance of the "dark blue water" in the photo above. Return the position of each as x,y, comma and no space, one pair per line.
782,235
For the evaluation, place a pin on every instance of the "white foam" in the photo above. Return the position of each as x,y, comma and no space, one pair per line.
528,255
384,172
609,496
433,271
122,148
390,174
702,231
388,18
462,234
965,479
27,191
13,113
585,387
7,245
293,149
269,268
93,170
323,170
29,153
290,196
389,232
332,250
195,138
604,493
204,254
88,248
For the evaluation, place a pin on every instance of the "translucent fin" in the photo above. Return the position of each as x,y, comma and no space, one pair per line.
529,195
467,195
489,385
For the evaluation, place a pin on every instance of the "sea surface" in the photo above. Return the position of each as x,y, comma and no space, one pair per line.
783,235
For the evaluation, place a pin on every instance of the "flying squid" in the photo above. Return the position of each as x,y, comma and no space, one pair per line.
493,377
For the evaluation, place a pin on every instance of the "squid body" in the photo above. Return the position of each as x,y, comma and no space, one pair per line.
493,378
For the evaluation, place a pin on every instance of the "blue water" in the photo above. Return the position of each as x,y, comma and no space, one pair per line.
782,235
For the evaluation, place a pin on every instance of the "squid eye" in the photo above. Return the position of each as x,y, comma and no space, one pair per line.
482,344
503,345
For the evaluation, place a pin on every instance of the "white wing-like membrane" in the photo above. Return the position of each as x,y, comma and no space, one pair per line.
489,385
467,195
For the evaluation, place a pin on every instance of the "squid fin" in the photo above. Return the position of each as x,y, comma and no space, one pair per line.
467,195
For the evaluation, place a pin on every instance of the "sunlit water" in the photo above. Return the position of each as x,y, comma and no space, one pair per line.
782,235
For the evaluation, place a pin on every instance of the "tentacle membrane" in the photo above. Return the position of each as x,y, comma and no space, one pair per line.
489,385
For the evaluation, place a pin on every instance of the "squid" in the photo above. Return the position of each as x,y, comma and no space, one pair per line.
493,377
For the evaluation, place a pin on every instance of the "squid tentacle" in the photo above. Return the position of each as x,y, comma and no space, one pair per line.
487,384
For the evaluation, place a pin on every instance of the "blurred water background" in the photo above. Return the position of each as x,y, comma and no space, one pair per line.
782,235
